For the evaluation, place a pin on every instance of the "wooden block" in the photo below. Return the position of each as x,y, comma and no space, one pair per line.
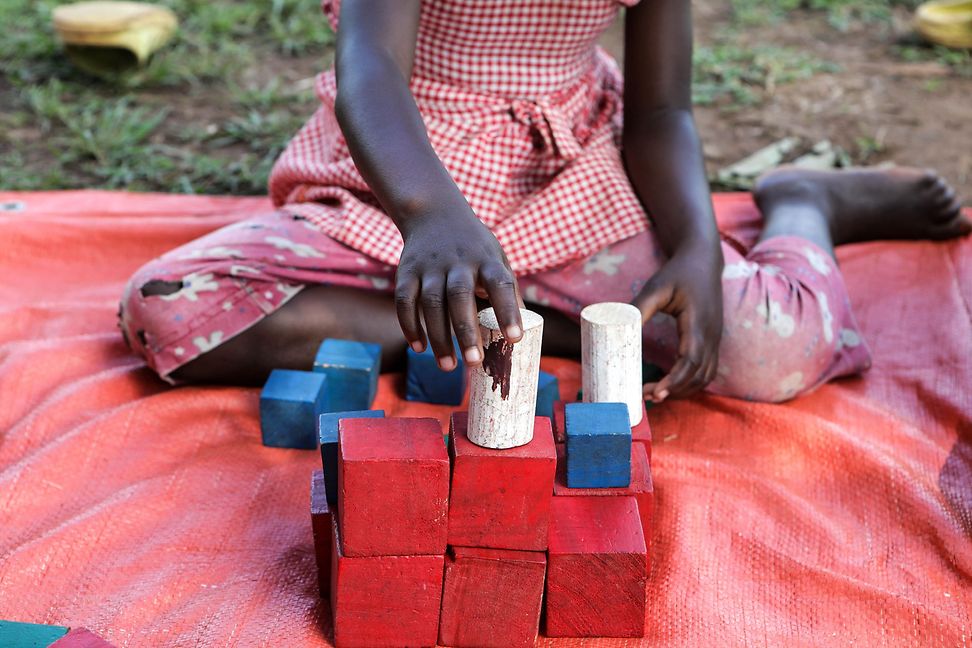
558,422
641,433
80,638
501,498
598,445
381,601
352,370
611,356
491,598
290,403
641,487
327,436
393,487
321,518
548,393
597,568
426,383
503,389
29,635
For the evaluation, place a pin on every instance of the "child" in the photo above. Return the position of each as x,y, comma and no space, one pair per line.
470,149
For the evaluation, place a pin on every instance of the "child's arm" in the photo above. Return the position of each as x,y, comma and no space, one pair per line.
665,164
449,254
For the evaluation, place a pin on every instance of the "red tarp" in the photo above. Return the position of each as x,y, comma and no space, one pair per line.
155,517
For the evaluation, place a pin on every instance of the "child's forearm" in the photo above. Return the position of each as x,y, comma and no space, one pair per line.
664,160
378,115
662,152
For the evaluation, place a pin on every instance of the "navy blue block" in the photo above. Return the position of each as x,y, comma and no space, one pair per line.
290,403
352,370
327,435
598,445
426,383
548,393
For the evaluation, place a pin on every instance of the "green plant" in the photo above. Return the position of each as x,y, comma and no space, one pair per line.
841,14
742,74
959,61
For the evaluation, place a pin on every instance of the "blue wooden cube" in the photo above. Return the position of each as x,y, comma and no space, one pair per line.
327,434
548,393
352,370
598,445
426,383
290,403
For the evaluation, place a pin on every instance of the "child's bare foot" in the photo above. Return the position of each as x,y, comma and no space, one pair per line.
867,204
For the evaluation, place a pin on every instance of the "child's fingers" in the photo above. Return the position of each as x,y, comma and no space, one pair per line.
406,306
437,320
501,287
683,377
460,291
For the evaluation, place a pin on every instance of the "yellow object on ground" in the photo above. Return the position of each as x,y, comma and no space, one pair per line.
109,37
946,22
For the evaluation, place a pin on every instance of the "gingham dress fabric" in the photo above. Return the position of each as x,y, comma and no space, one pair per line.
524,110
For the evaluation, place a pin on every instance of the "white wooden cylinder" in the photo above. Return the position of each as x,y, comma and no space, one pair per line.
611,356
503,389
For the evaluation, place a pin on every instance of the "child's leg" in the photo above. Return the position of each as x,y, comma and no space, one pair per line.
788,324
254,296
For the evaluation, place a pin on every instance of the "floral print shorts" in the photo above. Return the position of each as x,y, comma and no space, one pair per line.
788,326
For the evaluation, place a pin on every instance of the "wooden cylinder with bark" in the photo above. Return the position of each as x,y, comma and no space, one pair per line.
503,389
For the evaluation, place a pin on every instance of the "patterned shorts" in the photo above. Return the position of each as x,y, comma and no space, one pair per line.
788,326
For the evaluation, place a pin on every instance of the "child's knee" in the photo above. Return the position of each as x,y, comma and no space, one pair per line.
142,311
762,367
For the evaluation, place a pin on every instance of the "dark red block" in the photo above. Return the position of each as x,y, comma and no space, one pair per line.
597,568
80,638
559,419
501,498
641,487
642,432
321,527
384,600
393,487
491,597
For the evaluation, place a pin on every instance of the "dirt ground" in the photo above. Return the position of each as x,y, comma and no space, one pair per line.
875,106
868,99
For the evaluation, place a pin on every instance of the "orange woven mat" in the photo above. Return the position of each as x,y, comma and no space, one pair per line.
155,517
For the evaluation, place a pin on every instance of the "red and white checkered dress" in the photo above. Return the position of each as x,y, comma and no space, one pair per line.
524,110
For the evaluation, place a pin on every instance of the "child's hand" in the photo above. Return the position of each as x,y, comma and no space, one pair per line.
447,261
688,288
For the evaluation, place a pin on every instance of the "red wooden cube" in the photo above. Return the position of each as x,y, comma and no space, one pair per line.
491,597
321,528
597,568
80,638
500,499
384,600
393,487
641,487
642,432
559,420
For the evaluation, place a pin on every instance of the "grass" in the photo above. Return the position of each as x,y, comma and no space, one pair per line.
198,119
743,75
841,14
62,129
960,61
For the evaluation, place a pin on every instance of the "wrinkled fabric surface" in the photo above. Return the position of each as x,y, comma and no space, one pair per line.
155,517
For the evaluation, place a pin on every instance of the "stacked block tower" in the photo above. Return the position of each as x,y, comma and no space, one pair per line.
534,508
